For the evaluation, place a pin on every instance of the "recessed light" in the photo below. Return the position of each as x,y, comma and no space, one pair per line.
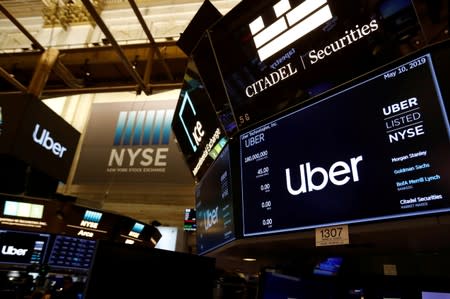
249,259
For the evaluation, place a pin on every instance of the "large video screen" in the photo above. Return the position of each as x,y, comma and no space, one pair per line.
377,149
214,206
275,54
22,248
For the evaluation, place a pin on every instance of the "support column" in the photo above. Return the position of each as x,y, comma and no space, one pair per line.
42,72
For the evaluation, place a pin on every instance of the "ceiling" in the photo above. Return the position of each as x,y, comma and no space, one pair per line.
110,60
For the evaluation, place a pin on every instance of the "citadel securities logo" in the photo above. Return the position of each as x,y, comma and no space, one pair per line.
135,132
290,26
196,132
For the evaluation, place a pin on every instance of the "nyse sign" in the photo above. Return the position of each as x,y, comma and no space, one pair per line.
131,142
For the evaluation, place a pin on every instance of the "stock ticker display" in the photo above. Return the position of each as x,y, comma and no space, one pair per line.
377,149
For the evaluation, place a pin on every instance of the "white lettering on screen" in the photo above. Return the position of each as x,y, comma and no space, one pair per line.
339,174
47,142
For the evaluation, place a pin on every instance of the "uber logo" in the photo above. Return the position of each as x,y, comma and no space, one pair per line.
47,142
11,250
195,133
291,25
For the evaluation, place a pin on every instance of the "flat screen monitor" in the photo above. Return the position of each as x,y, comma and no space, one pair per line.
373,150
46,141
214,205
90,223
328,267
275,54
195,124
136,233
190,220
22,248
71,253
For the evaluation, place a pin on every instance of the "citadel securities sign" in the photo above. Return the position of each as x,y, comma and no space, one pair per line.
131,142
278,53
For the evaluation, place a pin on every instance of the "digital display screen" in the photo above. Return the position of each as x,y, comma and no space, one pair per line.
276,54
133,232
329,267
195,124
22,248
378,149
214,206
90,224
190,221
72,253
23,209
46,141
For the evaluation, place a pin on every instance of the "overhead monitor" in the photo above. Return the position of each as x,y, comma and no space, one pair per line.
275,54
375,149
190,220
197,129
214,206
42,138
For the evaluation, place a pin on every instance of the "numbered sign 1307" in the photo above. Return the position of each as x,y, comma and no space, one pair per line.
333,235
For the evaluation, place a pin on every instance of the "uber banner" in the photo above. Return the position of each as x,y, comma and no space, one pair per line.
131,142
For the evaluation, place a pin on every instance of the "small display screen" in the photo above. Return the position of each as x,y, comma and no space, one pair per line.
71,252
190,222
22,247
214,206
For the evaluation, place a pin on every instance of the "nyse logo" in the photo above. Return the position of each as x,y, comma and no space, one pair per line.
141,128
136,230
91,219
291,25
195,133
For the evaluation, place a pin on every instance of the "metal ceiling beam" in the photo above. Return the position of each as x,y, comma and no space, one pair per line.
35,43
64,73
138,14
98,20
51,93
8,77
